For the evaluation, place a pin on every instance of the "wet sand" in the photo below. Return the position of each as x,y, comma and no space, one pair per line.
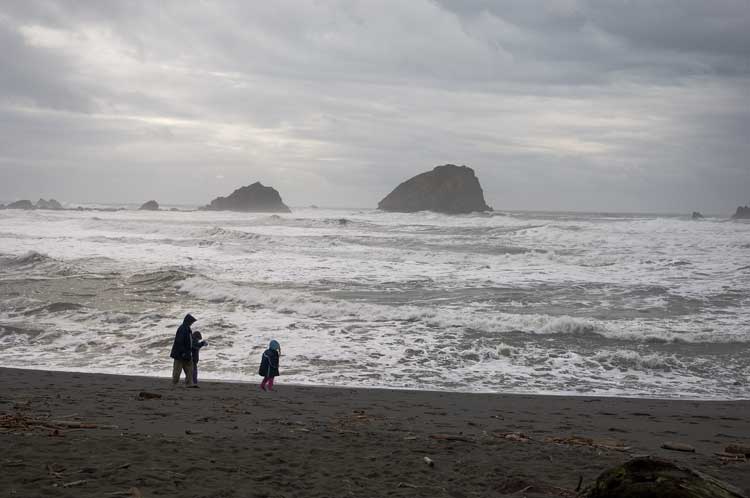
231,440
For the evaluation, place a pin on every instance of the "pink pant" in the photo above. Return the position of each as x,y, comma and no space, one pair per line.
267,381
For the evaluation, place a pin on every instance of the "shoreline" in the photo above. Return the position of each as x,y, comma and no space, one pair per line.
167,376
228,439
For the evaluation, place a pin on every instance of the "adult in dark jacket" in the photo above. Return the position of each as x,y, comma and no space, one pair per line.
182,352
198,343
269,365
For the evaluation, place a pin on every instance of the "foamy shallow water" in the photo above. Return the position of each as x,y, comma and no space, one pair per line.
516,302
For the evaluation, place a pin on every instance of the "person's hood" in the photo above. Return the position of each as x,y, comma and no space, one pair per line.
189,320
274,345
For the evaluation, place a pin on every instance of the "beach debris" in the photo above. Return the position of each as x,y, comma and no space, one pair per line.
407,485
55,470
678,447
147,395
75,483
74,425
739,449
519,486
131,493
605,444
429,461
451,437
20,422
730,457
641,477
191,432
512,436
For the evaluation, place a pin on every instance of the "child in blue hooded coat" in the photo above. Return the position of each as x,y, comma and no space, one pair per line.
269,365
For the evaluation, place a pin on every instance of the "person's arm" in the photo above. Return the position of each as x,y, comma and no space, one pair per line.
187,342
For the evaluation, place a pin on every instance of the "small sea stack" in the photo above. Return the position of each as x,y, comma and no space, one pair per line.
696,216
149,206
251,198
22,204
446,189
743,213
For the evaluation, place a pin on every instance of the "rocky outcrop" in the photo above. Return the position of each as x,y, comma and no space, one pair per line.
697,216
743,213
149,206
252,198
656,478
22,204
50,204
447,189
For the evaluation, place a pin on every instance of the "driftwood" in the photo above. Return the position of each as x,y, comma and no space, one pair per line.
75,483
22,422
740,449
451,437
131,493
730,457
148,395
72,425
513,436
406,485
678,447
604,444
518,486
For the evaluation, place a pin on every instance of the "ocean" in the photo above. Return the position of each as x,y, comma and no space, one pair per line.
519,302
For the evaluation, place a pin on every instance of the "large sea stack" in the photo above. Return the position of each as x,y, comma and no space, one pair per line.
743,213
252,198
447,189
149,206
48,204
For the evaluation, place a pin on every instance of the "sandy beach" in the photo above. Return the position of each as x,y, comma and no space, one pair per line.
77,435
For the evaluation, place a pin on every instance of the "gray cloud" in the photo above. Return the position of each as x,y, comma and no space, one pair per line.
637,106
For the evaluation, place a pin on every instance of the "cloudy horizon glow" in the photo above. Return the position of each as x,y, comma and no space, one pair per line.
557,105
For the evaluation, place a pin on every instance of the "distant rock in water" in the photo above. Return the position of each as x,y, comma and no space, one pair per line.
50,204
447,189
149,206
23,204
743,213
697,216
252,198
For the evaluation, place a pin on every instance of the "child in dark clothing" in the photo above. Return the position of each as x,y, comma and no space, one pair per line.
197,344
269,365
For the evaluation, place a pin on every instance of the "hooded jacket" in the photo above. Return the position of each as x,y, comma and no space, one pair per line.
183,340
269,363
198,343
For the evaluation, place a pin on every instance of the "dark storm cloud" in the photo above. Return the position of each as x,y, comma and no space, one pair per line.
570,104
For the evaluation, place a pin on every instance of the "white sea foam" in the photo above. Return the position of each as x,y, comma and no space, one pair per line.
522,302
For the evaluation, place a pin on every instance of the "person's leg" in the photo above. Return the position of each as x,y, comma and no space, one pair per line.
187,365
195,373
176,369
270,383
263,383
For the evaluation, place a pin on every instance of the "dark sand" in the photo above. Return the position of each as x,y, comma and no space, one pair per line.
230,440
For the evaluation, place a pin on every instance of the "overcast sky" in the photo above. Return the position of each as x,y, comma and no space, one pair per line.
623,105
